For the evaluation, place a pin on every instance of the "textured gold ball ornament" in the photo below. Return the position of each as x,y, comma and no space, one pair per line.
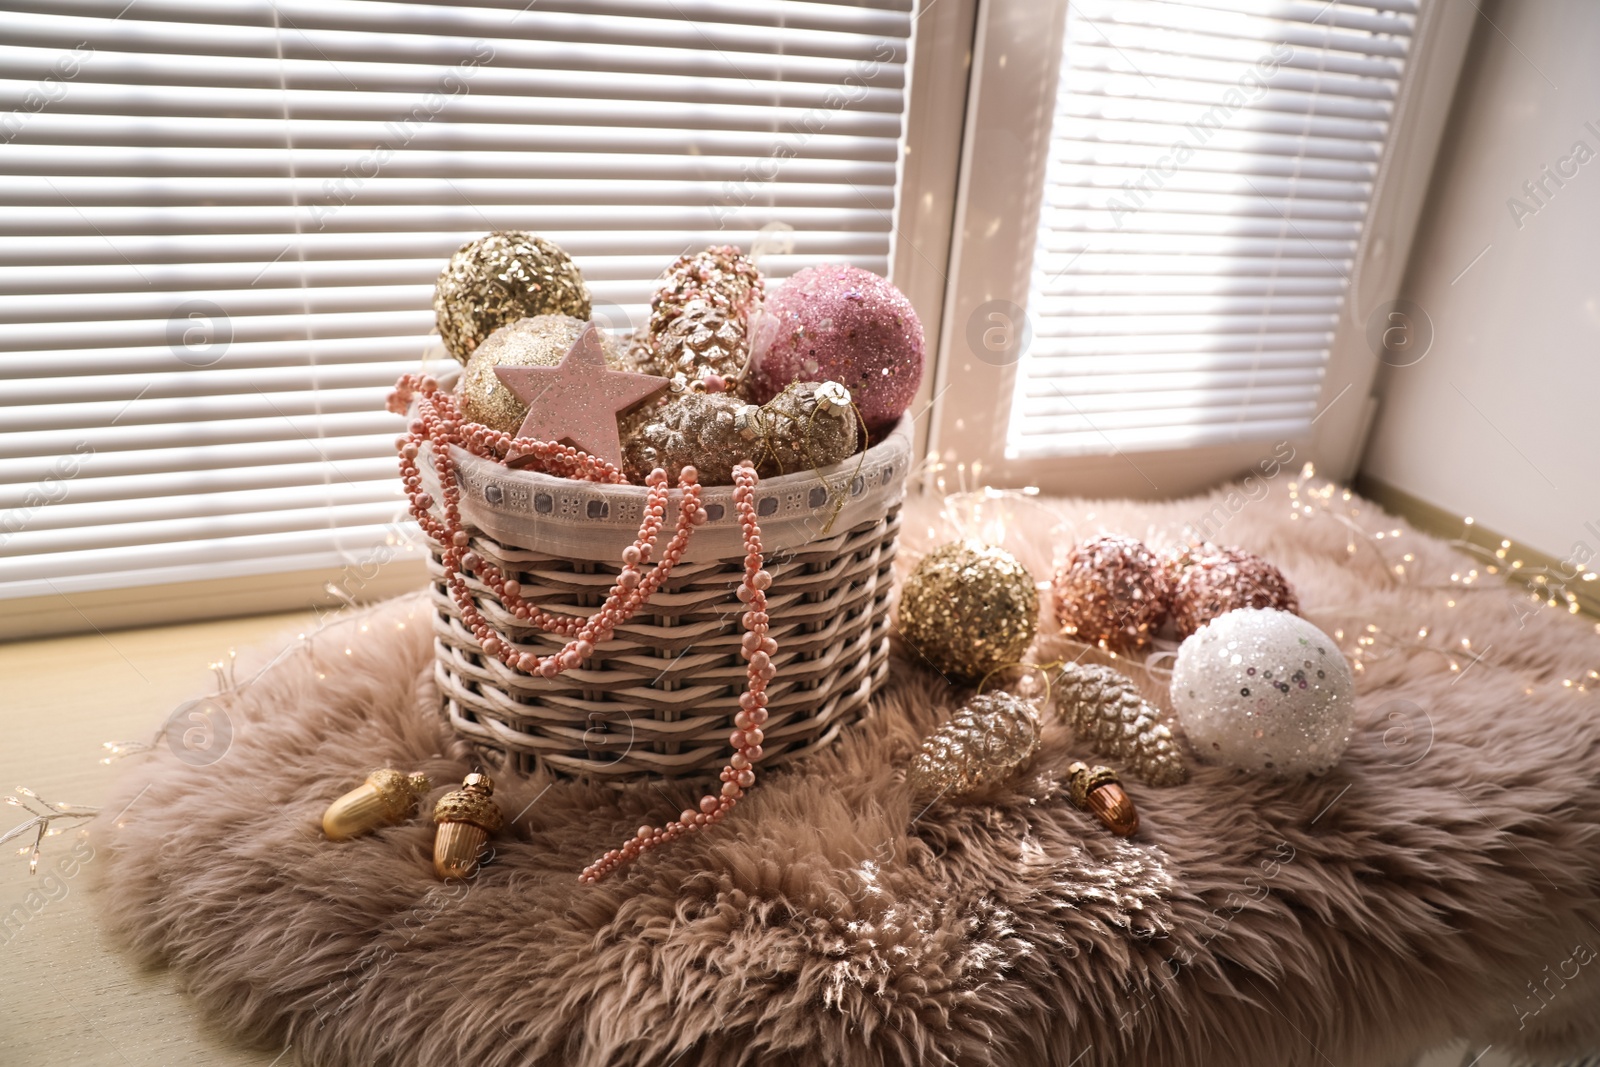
466,818
1099,791
987,740
969,608
500,278
1106,712
689,429
540,341
386,798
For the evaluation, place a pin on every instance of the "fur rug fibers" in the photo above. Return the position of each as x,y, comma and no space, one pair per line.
1440,882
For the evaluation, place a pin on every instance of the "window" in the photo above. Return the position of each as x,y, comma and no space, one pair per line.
1192,231
1208,178
221,226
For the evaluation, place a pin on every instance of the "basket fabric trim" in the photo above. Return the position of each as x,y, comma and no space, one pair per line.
596,521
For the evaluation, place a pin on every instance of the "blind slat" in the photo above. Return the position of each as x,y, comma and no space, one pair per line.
1125,420
144,484
73,523
352,544
83,463
1102,441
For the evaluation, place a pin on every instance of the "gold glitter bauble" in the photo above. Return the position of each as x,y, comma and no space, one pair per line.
808,426
1107,713
986,741
689,429
500,278
540,341
969,608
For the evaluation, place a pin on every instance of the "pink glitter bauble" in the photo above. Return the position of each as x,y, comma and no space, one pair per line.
842,324
1208,582
1111,592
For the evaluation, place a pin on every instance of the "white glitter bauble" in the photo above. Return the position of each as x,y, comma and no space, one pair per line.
1264,690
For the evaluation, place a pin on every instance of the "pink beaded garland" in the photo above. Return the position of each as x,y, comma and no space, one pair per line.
438,422
757,648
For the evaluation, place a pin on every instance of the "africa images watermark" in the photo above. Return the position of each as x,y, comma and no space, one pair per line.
851,90
53,887
1250,87
1251,489
51,489
50,89
1558,581
342,190
1543,187
359,973
1544,994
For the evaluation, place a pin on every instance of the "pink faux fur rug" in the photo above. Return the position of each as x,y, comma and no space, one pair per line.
1440,882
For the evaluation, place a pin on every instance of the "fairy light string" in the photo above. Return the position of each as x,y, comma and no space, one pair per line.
1365,641
43,817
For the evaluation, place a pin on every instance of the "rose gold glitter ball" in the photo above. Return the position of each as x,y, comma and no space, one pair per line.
1208,582
1111,592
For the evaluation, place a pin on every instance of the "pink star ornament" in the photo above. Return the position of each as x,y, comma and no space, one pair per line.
579,400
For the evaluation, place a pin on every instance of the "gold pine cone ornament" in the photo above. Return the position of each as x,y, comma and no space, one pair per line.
466,818
987,740
1106,712
386,798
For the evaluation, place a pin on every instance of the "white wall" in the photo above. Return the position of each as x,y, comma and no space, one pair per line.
1500,419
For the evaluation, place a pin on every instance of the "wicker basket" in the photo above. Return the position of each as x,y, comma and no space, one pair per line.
658,699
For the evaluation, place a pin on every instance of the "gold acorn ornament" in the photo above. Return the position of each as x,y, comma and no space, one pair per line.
1106,712
987,740
466,818
386,798
1099,791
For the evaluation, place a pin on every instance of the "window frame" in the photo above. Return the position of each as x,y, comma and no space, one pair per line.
1017,56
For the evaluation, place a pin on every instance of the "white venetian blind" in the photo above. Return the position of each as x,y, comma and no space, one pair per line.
221,220
1211,166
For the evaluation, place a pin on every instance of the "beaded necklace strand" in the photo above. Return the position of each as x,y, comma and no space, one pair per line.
437,422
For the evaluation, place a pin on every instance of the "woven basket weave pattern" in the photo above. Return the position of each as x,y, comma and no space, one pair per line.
658,699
